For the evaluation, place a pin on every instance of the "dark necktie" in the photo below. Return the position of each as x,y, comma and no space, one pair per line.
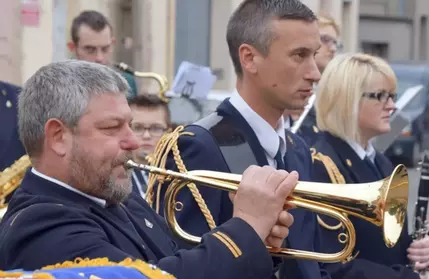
279,161
373,167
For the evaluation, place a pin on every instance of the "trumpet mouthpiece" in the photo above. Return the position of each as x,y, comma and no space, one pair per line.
130,164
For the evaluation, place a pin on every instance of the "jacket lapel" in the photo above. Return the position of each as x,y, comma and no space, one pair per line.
383,164
299,228
355,166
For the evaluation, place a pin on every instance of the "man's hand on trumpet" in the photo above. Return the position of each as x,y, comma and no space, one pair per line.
260,201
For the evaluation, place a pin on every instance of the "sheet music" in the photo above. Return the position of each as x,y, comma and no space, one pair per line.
193,81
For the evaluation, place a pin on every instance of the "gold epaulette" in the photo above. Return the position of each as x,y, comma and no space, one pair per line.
335,176
167,144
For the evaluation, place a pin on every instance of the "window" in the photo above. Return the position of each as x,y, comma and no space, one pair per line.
380,49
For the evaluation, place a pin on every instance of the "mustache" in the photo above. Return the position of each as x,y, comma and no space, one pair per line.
123,159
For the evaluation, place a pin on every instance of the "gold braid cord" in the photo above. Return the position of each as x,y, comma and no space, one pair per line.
11,178
144,268
167,144
335,176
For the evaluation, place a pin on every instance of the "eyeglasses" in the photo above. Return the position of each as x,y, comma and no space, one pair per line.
382,97
327,40
154,130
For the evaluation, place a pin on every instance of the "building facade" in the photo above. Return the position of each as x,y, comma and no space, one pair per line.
164,33
395,29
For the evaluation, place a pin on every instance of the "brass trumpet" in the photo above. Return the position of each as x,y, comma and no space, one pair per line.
162,80
383,203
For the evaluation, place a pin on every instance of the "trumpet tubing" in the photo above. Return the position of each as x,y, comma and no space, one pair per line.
383,203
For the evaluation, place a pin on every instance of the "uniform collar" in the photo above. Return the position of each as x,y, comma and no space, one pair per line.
64,185
269,138
362,153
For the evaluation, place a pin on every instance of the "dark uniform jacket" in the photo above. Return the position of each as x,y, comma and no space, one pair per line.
11,148
374,259
47,224
230,145
309,130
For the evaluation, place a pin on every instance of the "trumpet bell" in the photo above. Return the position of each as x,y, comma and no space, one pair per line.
383,203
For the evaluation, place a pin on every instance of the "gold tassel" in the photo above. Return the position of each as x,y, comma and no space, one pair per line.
167,144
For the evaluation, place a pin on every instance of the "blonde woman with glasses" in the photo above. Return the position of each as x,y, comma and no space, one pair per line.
355,98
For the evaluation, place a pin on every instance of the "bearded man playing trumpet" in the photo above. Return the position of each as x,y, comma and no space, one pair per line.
76,202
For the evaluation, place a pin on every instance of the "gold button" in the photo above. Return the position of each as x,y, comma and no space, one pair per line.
349,163
4,92
290,139
315,129
9,104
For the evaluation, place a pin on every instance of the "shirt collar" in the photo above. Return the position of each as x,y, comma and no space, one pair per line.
62,184
369,152
287,122
269,138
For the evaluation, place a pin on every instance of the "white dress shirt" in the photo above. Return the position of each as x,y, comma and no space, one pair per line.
139,184
269,138
99,201
369,152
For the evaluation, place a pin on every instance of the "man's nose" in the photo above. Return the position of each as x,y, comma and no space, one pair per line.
130,141
313,73
146,134
99,58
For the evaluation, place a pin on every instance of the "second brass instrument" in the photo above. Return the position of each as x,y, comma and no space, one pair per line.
383,203
162,80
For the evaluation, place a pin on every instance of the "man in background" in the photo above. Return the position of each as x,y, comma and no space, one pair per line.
92,40
11,148
151,120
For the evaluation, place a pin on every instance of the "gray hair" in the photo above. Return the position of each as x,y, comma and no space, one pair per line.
250,24
62,90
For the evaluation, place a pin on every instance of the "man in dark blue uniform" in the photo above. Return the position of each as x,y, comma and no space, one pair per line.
272,45
75,202
11,148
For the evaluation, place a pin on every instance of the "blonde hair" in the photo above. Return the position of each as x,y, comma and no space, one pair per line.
340,90
326,20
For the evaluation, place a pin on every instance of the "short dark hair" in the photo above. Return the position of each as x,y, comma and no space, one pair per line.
151,101
95,20
250,24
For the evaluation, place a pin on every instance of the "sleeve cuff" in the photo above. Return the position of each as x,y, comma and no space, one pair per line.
243,242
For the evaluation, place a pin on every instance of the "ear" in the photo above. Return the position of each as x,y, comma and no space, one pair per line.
57,137
71,46
113,40
248,58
